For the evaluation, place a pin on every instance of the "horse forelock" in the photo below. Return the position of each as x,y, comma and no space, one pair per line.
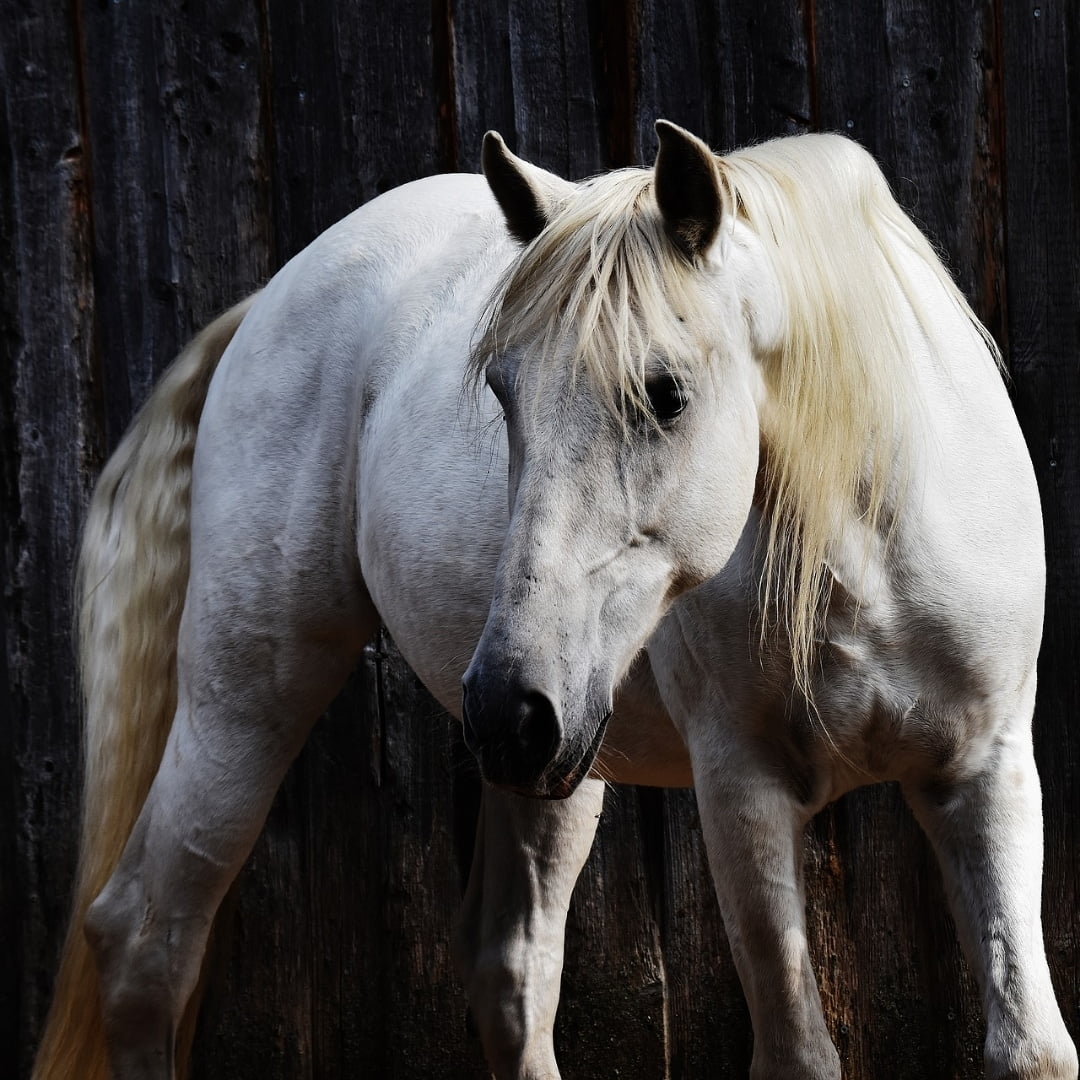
603,288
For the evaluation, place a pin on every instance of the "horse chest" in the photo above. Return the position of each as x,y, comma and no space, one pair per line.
889,702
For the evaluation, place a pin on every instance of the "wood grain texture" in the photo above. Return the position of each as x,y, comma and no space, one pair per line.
708,1022
731,71
528,71
47,435
157,162
922,93
180,196
1042,223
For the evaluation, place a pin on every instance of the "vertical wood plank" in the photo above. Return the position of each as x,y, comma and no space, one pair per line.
919,85
708,1021
885,952
354,98
612,1011
47,435
180,194
730,71
528,71
1042,83
483,78
426,1031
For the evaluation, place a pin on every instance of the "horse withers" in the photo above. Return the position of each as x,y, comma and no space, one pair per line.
763,520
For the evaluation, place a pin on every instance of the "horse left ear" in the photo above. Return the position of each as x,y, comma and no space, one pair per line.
687,184
526,194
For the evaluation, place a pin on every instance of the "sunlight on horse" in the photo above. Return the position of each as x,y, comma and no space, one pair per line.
762,521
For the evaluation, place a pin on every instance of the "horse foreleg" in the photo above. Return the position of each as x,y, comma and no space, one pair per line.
753,829
510,934
987,831
238,726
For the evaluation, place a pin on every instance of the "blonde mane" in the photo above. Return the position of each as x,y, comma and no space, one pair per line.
605,282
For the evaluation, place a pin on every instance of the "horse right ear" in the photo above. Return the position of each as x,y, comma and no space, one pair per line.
687,185
526,194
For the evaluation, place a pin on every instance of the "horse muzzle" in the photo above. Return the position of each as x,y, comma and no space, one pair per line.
517,734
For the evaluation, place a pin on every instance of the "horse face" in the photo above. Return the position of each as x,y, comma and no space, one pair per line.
611,518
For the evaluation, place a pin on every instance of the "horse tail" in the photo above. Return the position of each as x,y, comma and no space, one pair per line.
131,579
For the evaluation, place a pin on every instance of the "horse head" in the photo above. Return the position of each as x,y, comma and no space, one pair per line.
620,345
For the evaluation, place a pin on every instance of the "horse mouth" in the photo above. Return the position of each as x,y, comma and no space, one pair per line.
567,782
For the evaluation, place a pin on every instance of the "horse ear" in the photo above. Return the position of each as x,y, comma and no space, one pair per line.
526,193
687,184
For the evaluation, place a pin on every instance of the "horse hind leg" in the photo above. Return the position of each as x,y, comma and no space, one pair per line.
986,828
246,704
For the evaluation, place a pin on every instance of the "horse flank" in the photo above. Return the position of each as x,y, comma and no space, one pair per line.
604,283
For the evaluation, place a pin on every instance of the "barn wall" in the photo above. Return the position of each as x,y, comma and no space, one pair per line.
158,161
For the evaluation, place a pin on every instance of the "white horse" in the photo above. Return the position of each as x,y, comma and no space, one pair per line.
768,512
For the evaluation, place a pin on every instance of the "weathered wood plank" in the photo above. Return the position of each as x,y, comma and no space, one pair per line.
918,84
180,180
483,79
731,71
612,1013
354,101
884,947
708,1021
1042,114
527,70
47,434
426,1030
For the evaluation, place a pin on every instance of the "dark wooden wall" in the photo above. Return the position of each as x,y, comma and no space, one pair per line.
158,160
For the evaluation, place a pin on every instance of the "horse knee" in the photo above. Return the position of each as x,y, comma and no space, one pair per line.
492,988
496,999
513,1013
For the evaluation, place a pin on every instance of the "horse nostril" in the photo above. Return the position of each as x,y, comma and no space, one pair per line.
538,728
514,733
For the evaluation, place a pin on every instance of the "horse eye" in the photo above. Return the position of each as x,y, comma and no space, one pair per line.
667,398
